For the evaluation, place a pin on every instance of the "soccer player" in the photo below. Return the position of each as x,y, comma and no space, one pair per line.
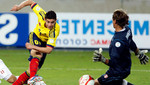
119,52
5,73
41,41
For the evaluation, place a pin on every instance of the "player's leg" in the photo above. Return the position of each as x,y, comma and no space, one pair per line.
12,79
108,80
35,56
34,63
5,73
35,78
26,75
125,82
96,82
22,79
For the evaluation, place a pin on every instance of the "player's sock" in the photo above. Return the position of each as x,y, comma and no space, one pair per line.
21,79
129,83
34,66
125,82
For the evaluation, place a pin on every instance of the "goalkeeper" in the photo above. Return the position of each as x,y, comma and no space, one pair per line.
119,52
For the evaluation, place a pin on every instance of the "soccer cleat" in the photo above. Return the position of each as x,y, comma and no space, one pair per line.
34,79
42,83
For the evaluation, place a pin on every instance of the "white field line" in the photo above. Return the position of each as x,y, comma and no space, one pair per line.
78,69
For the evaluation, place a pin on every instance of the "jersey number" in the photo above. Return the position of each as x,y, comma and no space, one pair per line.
37,42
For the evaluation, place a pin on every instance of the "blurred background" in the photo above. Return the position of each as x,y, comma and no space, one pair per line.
84,25
87,22
98,6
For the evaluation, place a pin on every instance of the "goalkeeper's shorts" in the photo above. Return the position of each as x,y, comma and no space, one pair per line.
110,80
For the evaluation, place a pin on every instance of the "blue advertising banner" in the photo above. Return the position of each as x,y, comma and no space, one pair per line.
77,30
14,29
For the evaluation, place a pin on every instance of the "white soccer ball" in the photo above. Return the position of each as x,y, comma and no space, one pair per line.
86,80
39,83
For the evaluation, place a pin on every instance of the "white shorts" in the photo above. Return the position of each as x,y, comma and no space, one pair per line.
4,71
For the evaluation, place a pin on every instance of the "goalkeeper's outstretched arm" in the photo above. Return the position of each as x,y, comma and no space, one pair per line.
142,56
139,53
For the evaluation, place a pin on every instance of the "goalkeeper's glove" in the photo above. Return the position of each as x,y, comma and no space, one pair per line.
98,56
142,57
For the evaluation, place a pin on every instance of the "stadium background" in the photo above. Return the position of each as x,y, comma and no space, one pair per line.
98,6
69,66
77,18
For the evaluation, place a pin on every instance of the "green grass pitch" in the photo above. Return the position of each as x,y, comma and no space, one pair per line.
66,67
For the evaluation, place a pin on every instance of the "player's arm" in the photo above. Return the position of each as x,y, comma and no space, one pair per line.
139,53
117,51
22,5
142,56
40,49
133,46
99,57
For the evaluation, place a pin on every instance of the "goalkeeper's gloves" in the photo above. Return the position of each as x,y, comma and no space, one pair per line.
142,57
98,56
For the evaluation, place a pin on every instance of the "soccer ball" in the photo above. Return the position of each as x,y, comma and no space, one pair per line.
86,80
39,83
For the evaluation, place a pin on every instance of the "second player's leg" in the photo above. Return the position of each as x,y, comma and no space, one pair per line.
96,82
5,73
12,79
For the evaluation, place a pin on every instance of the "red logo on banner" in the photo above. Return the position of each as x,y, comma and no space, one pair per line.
100,42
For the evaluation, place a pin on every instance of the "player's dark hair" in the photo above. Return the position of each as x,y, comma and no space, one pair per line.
121,17
50,15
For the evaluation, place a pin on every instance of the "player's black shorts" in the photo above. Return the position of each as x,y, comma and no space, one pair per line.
110,80
34,40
